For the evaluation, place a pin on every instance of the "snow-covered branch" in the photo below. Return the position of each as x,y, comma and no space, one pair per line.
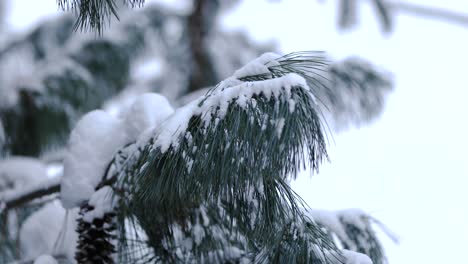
15,198
353,230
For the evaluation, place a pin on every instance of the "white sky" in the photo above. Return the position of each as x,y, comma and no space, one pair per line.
409,168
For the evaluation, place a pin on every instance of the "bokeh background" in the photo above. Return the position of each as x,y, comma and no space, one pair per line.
408,168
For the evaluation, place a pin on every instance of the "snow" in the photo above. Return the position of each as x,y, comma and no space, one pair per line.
355,257
40,231
49,230
233,252
219,101
347,256
329,219
55,170
279,127
120,103
92,145
334,220
16,69
258,66
148,110
355,216
147,70
66,243
98,136
2,135
19,172
16,193
45,259
269,88
198,234
175,125
102,201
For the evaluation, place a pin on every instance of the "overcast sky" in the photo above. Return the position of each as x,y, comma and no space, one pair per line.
409,168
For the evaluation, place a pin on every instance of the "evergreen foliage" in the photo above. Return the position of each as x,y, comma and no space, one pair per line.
212,184
92,70
46,115
93,14
353,230
362,91
348,14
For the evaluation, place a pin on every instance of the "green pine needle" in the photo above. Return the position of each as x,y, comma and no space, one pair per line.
94,14
228,157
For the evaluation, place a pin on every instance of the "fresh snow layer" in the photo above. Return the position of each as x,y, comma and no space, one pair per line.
147,111
230,90
45,259
148,69
50,230
334,220
19,172
92,145
102,201
258,66
98,136
355,257
331,220
16,193
40,231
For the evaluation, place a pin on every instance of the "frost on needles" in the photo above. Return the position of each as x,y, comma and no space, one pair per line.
209,183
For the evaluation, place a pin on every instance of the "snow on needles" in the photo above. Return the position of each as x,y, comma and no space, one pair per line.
333,220
102,203
258,66
220,99
355,257
97,137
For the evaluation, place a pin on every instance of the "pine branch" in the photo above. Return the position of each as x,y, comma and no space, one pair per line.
82,83
254,119
353,229
60,109
430,12
357,92
48,37
81,80
14,199
347,14
352,91
94,14
236,146
384,13
386,10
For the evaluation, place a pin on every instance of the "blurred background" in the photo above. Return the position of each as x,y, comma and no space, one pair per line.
407,167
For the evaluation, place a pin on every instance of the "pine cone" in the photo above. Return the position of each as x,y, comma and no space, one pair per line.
95,239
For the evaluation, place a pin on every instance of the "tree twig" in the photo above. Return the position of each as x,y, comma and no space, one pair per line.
16,198
429,12
200,22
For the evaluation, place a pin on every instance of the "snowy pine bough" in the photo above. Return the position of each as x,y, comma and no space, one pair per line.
207,182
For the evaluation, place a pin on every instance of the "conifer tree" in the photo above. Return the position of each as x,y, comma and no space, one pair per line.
210,181
206,183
